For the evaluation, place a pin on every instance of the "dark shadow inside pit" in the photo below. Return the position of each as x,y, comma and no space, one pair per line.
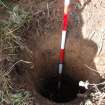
68,90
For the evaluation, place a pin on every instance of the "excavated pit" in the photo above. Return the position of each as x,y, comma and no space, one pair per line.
79,56
67,91
78,63
45,45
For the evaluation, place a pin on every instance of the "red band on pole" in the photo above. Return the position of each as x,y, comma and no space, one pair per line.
62,56
65,22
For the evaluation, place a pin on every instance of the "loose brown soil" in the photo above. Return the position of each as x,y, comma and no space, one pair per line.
42,36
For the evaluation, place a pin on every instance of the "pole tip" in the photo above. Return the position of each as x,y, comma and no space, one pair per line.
67,2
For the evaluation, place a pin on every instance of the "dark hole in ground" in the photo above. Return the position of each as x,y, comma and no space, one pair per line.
48,87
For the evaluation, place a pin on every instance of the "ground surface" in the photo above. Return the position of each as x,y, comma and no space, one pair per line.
85,45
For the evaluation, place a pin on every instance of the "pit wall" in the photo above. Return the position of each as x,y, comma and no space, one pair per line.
79,58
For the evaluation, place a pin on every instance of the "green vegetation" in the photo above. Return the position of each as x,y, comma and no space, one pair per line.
20,97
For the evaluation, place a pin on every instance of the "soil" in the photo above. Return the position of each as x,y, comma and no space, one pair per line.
84,50
45,44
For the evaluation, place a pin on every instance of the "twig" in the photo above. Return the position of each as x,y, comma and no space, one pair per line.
102,83
44,9
91,68
11,68
13,30
3,4
101,98
91,36
102,43
48,10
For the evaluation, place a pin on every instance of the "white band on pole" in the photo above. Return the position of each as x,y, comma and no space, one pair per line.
67,2
63,39
60,68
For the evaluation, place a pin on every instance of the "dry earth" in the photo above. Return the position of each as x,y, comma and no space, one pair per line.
85,47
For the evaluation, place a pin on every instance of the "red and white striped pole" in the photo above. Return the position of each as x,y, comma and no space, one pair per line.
64,31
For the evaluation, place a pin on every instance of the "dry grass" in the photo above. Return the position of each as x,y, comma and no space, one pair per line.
10,43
